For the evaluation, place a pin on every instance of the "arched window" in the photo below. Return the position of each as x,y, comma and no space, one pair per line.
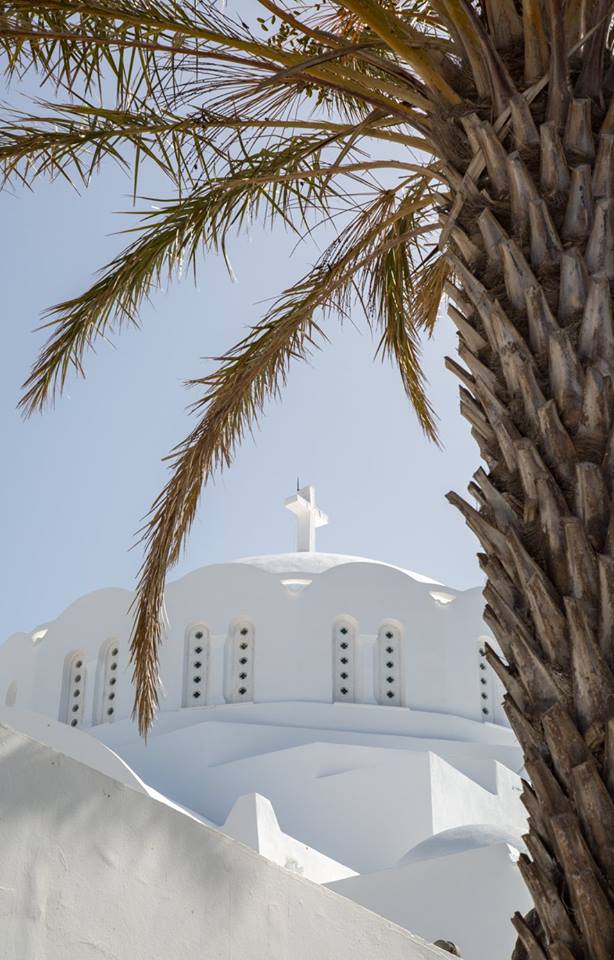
344,643
108,673
11,694
240,648
72,707
196,668
488,693
389,654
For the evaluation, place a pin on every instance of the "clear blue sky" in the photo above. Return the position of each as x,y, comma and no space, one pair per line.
77,480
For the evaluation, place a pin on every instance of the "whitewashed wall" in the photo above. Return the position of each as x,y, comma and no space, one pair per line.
480,887
92,869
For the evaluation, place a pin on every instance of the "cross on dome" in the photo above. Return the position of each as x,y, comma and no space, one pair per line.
308,518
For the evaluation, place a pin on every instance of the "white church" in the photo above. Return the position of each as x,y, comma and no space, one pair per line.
330,776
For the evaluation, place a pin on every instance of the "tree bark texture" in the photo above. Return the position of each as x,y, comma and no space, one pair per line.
531,247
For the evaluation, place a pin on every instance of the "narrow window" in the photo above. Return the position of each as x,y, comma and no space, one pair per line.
72,707
487,695
108,674
11,695
344,643
389,652
240,647
196,668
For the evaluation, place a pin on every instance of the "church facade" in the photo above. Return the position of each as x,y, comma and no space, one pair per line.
335,714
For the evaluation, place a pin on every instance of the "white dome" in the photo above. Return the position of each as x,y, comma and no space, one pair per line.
290,607
459,839
313,563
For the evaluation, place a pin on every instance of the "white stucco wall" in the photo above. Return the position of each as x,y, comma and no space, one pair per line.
325,782
293,639
345,786
481,889
75,744
252,820
94,870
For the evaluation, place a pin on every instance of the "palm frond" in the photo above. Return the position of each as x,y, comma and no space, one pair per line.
401,36
402,289
73,141
428,284
391,294
142,45
235,393
80,46
271,186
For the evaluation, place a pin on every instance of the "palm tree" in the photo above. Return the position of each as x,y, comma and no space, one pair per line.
470,146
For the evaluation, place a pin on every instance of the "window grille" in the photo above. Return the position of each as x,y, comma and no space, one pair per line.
344,650
240,649
108,667
388,673
196,670
72,707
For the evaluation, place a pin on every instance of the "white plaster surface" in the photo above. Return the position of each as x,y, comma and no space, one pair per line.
461,839
314,562
94,870
293,638
252,820
480,887
325,794
337,792
326,783
73,743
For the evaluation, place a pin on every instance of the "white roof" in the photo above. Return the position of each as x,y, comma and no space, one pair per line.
314,563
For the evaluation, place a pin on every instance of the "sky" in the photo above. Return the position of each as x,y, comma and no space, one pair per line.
77,480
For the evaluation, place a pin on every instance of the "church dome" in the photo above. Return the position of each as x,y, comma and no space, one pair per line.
314,563
303,626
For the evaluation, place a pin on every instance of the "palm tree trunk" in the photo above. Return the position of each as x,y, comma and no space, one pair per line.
532,250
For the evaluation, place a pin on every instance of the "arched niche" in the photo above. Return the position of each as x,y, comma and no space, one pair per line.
389,652
10,698
239,655
72,701
196,665
345,633
107,681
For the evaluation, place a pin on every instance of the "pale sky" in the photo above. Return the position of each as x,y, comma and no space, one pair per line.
77,480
